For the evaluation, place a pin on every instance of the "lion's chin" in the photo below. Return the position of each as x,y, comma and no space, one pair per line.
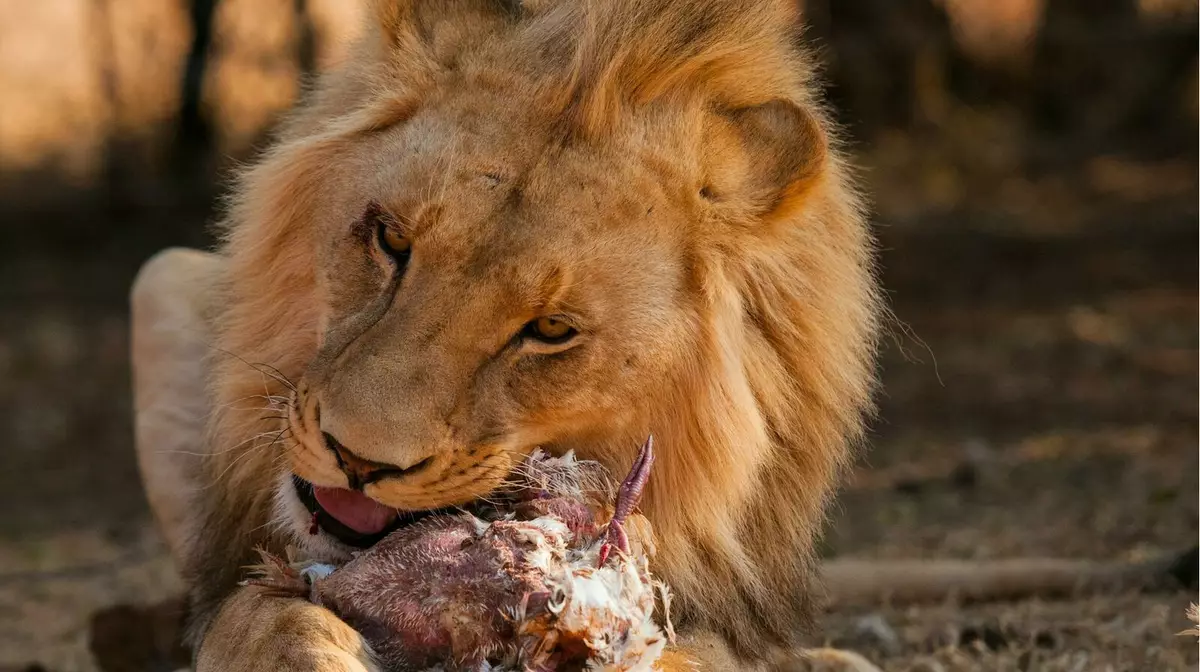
294,521
320,535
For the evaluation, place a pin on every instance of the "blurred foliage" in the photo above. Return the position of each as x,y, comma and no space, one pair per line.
119,93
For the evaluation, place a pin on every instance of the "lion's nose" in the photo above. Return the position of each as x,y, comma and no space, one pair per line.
361,471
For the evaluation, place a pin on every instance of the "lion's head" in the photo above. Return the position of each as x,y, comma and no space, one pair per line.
567,224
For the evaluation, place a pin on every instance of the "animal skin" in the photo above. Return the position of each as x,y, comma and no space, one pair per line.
534,582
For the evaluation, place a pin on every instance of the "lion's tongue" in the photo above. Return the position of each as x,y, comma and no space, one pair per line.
355,510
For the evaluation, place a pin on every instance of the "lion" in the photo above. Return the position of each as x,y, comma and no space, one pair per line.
502,226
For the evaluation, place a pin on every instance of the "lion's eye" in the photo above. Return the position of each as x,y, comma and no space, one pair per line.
550,330
393,242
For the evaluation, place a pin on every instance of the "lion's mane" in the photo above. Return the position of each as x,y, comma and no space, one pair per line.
757,432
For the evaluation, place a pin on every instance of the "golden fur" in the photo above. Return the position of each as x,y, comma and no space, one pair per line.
659,170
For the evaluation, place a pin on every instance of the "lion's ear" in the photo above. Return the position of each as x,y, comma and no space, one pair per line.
786,150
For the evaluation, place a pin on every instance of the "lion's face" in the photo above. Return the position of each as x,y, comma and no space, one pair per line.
482,293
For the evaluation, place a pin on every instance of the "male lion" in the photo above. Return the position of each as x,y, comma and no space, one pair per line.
504,225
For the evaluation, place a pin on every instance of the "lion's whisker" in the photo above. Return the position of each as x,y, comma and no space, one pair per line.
248,409
276,374
272,371
225,450
239,458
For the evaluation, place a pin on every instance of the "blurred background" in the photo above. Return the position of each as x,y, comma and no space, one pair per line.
1033,170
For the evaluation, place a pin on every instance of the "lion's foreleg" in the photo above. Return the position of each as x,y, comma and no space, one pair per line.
254,632
172,301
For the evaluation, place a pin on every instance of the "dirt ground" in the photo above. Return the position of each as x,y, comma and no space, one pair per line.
1039,398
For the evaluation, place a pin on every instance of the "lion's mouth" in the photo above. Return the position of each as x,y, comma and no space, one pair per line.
351,517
